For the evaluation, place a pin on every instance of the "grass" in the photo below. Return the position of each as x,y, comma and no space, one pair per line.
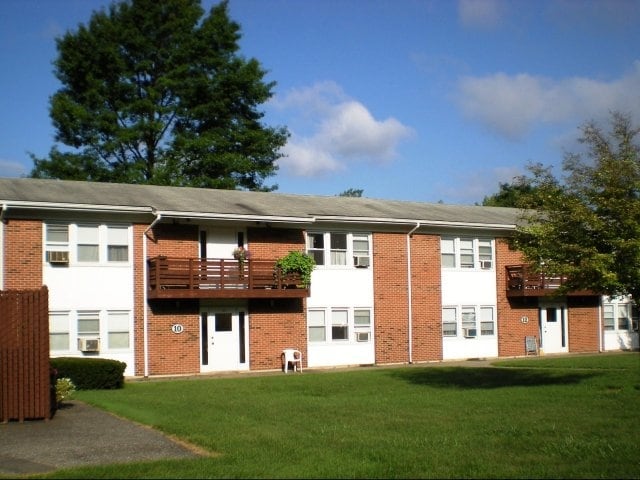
568,417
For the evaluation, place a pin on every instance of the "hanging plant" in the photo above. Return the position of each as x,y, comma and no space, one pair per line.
297,262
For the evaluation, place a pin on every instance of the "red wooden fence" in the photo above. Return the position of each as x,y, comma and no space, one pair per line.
25,382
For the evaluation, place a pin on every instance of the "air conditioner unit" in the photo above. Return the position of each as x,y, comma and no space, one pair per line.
362,336
57,256
89,344
470,332
486,264
361,261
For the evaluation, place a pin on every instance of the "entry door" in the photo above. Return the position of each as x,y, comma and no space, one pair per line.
224,340
553,326
219,242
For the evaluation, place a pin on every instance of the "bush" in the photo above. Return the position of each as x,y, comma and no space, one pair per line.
64,389
90,373
297,262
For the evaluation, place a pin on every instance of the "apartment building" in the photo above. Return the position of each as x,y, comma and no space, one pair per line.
152,276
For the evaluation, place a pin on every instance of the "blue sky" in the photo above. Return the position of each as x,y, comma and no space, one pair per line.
425,100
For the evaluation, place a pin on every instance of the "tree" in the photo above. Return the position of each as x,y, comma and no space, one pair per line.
510,194
587,227
352,192
154,93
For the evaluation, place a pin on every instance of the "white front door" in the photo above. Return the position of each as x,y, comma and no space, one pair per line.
219,242
553,328
224,340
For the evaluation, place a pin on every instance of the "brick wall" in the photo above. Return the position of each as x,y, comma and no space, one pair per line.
279,323
22,254
390,297
583,324
169,353
427,298
511,329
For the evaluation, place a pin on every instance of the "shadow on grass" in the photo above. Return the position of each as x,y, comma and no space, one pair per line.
468,377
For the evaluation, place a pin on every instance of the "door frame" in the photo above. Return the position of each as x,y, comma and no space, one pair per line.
239,339
556,339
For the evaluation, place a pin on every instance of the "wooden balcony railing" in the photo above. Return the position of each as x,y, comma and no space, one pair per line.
524,282
184,278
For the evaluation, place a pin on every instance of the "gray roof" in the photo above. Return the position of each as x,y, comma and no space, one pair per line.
210,203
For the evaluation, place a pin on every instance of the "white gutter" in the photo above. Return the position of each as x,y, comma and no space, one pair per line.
236,216
410,292
77,206
2,212
145,307
600,331
408,221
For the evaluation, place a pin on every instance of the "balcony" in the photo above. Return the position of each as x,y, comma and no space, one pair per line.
190,278
524,282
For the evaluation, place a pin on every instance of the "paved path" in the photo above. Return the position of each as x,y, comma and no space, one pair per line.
79,434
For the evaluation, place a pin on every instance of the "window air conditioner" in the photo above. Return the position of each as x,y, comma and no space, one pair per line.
60,256
485,264
470,332
361,261
362,336
89,344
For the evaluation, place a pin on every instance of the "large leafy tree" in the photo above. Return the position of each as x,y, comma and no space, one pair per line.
156,92
587,224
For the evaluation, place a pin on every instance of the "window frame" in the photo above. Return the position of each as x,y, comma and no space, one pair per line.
332,255
455,320
349,324
465,253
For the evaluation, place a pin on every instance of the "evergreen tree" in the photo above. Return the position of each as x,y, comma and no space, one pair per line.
153,92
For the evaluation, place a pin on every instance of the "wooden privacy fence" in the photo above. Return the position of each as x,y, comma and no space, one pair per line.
25,382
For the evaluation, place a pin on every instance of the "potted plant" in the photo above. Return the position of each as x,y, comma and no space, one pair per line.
297,262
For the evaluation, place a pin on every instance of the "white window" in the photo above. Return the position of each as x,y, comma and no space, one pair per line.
339,249
361,254
449,322
89,324
608,317
448,252
487,323
339,325
317,328
470,318
469,327
57,234
59,331
118,329
362,325
466,253
315,247
620,316
88,243
117,244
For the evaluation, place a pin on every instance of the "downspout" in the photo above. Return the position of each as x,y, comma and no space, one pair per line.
145,307
409,292
2,212
600,331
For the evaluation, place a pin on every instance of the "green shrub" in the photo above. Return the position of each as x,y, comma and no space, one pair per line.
297,262
90,373
64,389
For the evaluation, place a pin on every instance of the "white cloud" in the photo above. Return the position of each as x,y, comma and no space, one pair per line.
480,13
511,105
336,130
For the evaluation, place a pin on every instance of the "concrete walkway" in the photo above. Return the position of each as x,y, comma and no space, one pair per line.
78,435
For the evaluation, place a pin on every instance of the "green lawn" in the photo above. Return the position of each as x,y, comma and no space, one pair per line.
568,417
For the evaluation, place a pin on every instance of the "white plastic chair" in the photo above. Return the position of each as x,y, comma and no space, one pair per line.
293,356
